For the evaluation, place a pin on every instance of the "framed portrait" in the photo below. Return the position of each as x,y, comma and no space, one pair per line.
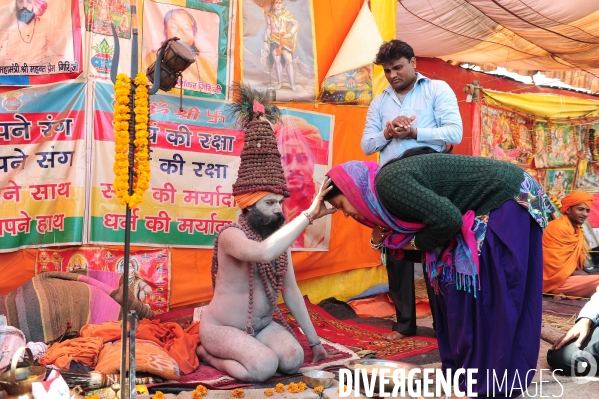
40,42
559,182
206,29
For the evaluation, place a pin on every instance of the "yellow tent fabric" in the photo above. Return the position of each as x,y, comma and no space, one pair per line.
543,105
385,13
343,285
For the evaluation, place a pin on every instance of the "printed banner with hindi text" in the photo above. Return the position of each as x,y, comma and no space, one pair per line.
194,161
558,182
207,28
40,41
42,166
149,270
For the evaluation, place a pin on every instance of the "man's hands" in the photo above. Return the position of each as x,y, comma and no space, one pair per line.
318,208
580,331
319,353
400,128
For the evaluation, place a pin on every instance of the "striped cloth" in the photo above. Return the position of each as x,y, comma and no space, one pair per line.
44,306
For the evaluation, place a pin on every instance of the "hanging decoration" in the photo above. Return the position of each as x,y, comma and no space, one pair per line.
122,119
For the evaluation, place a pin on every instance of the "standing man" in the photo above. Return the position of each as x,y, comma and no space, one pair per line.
413,111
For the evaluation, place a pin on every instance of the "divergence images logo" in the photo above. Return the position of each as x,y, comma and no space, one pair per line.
583,365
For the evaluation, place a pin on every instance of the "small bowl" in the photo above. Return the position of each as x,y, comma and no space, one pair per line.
314,378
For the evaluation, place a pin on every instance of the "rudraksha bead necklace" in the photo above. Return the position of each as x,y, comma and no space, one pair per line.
271,274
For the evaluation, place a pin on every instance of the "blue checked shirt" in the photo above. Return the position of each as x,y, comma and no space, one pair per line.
437,119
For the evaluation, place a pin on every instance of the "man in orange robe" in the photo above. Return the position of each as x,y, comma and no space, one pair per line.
564,249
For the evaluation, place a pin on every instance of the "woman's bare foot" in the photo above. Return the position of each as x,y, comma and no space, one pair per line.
393,335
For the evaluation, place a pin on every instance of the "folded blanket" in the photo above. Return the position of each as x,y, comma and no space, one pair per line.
43,307
149,358
82,350
180,344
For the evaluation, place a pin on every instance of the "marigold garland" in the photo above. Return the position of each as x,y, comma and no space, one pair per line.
122,117
515,130
279,388
590,138
549,141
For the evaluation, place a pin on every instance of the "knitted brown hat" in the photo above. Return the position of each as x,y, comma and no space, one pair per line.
260,168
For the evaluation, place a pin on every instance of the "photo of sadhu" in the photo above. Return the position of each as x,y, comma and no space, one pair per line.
35,32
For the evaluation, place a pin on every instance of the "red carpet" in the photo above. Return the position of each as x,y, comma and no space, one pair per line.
356,337
359,337
214,379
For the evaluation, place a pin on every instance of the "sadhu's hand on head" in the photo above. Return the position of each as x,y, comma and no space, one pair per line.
318,208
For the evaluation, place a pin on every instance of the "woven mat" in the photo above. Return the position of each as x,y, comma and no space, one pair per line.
557,306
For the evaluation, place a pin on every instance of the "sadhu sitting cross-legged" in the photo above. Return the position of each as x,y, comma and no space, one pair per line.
565,249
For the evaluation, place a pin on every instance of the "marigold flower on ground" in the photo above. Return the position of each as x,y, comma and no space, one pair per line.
279,388
293,388
199,392
319,389
302,386
269,392
158,395
238,393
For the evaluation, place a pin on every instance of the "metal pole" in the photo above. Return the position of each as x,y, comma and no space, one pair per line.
132,331
126,392
125,304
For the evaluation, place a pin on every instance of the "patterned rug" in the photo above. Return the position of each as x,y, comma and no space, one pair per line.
361,337
214,379
346,336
